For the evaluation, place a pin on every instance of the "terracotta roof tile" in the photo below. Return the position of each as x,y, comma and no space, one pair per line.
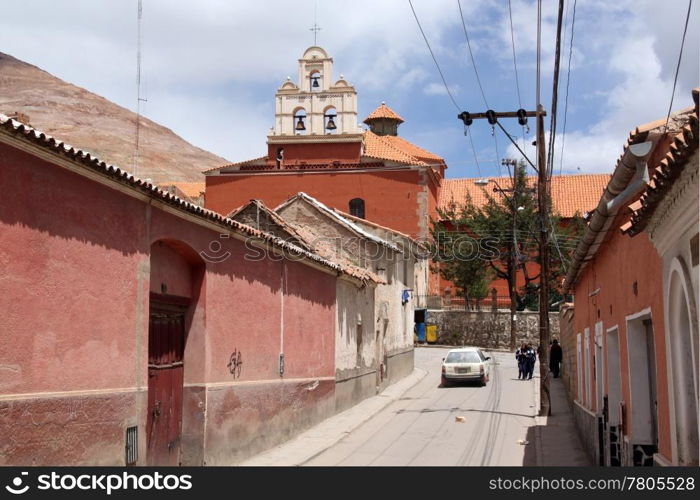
570,193
191,189
684,142
397,149
262,161
383,111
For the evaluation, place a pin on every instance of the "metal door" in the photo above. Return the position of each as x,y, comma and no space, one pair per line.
166,336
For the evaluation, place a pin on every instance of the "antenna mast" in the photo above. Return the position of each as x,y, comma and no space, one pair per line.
138,89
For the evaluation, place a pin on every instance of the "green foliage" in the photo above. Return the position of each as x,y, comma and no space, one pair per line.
474,244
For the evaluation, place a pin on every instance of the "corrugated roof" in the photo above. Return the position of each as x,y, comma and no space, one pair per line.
570,193
116,174
383,111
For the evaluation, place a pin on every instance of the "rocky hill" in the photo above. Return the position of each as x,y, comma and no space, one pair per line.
90,122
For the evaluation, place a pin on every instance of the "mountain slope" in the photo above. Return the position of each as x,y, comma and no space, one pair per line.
90,122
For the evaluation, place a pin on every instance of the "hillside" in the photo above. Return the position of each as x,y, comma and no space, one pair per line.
90,122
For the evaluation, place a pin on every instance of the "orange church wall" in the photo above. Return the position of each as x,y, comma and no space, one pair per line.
391,197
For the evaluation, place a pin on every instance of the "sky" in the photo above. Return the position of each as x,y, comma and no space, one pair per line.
210,69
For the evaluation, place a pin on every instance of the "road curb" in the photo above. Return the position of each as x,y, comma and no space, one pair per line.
390,394
306,446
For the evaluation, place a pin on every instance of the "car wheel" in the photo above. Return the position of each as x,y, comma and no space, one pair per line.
444,382
483,380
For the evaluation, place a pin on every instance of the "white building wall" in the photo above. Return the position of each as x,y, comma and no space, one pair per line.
674,230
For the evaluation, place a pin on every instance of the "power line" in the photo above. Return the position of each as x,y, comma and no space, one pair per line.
447,88
568,80
471,54
515,65
478,167
498,156
555,91
678,66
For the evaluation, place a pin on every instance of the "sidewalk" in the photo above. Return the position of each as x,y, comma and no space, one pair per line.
555,438
316,440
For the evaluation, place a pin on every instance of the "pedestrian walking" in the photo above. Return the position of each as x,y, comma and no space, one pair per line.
555,357
530,358
521,359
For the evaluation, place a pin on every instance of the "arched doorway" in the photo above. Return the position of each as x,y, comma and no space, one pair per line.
176,275
682,326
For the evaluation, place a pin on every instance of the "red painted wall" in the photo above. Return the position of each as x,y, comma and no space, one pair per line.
77,267
319,152
619,263
390,196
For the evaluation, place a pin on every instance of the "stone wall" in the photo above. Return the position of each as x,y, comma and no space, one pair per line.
488,329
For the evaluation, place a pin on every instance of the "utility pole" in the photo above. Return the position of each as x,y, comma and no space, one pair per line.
513,251
543,212
521,115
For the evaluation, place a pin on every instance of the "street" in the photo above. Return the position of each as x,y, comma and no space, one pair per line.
422,428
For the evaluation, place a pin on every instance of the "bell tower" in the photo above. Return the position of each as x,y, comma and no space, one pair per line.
315,106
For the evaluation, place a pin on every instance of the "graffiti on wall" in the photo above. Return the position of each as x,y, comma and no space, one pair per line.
235,363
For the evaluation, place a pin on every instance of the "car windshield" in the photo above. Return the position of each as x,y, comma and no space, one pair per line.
463,357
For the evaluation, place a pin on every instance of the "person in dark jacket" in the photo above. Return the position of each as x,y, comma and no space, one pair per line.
555,357
530,358
521,359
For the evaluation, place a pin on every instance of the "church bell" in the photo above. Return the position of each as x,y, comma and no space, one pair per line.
300,124
331,124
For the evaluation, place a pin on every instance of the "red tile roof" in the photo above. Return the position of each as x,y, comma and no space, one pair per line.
397,149
261,162
383,111
682,144
191,189
570,193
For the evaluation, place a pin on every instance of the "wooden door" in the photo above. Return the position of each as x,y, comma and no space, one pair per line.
166,339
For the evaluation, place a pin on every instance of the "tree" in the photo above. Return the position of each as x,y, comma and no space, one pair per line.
456,256
476,244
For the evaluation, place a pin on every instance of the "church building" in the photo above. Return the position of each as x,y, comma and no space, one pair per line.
317,146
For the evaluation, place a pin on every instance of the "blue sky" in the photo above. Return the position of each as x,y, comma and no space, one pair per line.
210,68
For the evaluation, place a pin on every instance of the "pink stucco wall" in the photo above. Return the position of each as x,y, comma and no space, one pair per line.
621,266
77,262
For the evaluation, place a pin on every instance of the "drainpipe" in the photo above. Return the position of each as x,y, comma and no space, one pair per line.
638,182
630,177
282,291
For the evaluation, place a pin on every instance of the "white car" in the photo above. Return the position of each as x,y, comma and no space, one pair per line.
465,363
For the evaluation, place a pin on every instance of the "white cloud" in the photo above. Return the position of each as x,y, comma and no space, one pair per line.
218,63
439,89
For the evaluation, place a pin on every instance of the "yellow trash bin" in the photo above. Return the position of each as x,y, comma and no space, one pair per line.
431,334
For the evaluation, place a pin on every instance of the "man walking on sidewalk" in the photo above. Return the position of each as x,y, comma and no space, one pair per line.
555,357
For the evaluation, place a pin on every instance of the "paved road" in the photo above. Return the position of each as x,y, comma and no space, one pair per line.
420,428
